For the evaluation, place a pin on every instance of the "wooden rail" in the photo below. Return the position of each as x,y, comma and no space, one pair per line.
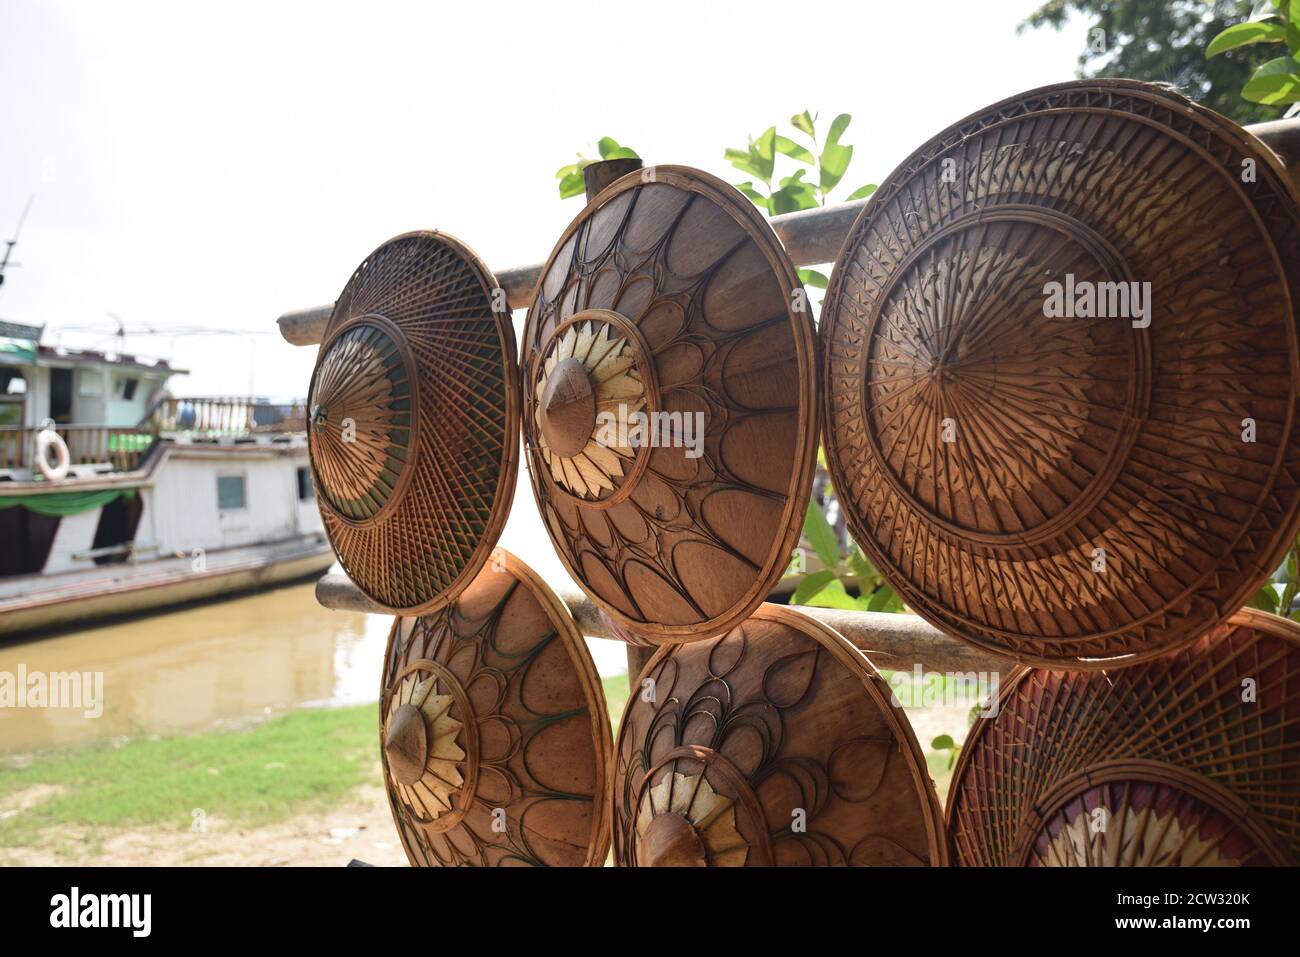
227,415
122,447
897,642
125,447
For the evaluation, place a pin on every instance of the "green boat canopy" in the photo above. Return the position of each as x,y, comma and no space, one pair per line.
17,350
63,504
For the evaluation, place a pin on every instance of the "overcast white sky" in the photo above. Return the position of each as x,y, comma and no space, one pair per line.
217,165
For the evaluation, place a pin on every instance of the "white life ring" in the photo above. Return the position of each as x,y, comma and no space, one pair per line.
47,439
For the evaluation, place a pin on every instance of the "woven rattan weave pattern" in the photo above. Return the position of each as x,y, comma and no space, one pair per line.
775,744
1193,758
669,301
495,738
1061,355
414,429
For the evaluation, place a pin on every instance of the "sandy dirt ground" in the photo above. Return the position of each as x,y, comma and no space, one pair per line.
360,829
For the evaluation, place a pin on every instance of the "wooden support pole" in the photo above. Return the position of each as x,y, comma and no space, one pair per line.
897,642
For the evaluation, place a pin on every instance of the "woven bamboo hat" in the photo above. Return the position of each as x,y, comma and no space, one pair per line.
776,744
670,414
495,737
1190,759
414,411
1062,364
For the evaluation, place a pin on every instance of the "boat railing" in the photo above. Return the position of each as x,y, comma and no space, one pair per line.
122,448
225,416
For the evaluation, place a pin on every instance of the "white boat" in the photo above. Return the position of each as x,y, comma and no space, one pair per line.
164,499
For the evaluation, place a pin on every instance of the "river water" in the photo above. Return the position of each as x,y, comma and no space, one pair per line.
219,664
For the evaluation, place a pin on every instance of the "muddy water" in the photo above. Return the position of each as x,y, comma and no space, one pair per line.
201,667
210,666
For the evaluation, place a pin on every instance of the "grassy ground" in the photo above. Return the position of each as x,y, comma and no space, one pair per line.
615,699
300,763
303,760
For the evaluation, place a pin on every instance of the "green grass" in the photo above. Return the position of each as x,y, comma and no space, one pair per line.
615,698
303,760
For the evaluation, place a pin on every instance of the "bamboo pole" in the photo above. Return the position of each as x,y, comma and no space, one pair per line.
897,642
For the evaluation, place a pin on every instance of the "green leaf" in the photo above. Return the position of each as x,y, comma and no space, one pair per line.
572,185
811,585
861,566
622,153
804,122
833,595
787,201
1274,83
821,535
569,170
794,194
759,199
607,146
884,599
943,743
862,192
763,152
1265,600
743,160
1243,34
1288,596
838,126
788,147
811,277
834,163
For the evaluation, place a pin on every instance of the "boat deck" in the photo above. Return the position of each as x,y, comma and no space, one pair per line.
36,601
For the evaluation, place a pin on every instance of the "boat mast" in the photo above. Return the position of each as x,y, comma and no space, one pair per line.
11,243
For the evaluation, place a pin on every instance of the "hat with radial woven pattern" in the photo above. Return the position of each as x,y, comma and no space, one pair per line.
1188,759
1062,366
494,733
670,412
777,744
414,421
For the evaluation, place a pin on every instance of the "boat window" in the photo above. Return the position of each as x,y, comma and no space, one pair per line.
90,383
230,492
13,391
305,491
125,388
